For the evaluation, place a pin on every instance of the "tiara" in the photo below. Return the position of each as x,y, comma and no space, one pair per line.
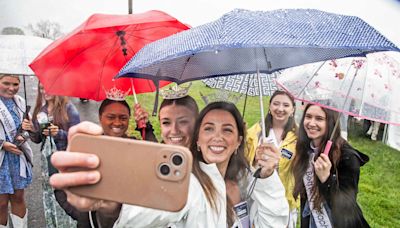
175,92
221,95
116,94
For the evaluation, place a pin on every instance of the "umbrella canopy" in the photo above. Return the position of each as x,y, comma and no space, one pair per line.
363,87
84,62
244,84
242,41
17,51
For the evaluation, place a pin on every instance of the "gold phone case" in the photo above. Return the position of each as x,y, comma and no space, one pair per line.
137,172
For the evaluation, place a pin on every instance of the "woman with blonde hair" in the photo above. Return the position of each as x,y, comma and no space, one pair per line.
15,169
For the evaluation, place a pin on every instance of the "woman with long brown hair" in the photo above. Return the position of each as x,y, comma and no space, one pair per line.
327,183
51,119
280,130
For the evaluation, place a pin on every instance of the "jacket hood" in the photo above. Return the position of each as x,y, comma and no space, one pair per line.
363,158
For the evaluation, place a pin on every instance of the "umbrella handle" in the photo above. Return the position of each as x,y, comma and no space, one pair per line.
328,147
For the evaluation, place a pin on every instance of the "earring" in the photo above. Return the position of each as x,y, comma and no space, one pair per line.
198,148
236,151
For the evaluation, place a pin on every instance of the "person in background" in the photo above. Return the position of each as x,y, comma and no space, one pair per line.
15,169
327,183
114,118
51,119
374,130
280,129
218,154
177,115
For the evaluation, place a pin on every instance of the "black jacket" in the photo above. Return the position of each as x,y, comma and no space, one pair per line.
340,190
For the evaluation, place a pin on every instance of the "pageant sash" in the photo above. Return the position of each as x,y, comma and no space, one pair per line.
321,218
8,123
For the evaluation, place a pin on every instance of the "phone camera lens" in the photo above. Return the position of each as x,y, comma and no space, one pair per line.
164,169
177,160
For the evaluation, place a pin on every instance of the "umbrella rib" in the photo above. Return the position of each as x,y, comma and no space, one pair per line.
102,67
186,63
67,63
304,87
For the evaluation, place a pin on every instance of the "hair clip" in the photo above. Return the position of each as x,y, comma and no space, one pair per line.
175,92
116,94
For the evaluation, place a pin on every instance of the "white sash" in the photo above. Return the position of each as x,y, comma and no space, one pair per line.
11,130
8,123
321,218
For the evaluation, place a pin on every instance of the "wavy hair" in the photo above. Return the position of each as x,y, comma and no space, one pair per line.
290,125
59,112
301,160
237,163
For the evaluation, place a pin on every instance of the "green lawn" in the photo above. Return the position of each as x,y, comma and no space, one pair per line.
379,186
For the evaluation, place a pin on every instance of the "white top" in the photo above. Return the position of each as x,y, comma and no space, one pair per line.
269,207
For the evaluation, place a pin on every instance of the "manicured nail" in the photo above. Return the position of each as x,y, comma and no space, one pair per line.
93,177
92,161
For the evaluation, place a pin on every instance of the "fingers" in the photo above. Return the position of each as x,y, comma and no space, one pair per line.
322,167
65,180
62,160
85,127
267,159
27,125
52,129
10,147
322,162
83,203
140,114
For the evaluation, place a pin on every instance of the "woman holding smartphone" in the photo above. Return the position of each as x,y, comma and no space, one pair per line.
218,154
326,183
51,119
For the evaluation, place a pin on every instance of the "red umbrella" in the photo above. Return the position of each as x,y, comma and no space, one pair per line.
84,62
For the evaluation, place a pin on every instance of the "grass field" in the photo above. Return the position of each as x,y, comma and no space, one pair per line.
379,187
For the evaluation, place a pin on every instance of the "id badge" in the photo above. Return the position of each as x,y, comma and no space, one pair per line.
242,212
286,153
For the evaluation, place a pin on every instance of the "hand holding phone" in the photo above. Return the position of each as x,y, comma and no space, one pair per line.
136,172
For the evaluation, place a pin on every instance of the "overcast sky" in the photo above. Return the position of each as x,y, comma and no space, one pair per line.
381,14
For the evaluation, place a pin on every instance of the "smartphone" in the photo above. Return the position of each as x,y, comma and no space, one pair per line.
137,172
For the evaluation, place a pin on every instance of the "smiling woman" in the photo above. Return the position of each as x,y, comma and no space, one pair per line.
114,117
15,171
327,183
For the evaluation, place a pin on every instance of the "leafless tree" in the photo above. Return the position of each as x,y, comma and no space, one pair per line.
46,29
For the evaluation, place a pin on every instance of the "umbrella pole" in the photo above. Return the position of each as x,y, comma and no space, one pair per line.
245,98
264,135
26,101
329,143
141,124
134,92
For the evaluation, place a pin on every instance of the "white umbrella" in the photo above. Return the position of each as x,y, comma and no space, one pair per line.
18,51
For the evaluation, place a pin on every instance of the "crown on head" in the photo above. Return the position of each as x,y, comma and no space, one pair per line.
175,92
221,95
116,94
